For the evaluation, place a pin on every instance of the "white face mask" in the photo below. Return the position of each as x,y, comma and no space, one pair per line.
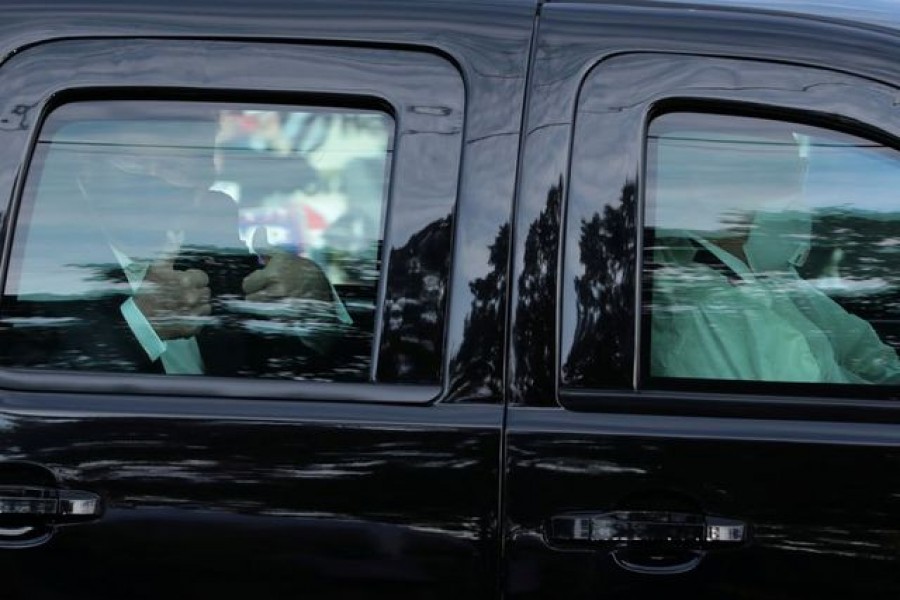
779,240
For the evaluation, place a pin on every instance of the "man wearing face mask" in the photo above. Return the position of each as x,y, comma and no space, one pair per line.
179,261
731,305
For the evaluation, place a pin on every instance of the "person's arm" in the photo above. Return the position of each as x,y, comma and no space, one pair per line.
858,349
284,295
742,343
296,289
703,326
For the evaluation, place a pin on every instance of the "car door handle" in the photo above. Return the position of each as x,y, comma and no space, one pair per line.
648,541
58,504
29,513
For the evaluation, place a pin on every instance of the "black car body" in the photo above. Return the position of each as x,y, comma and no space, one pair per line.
508,413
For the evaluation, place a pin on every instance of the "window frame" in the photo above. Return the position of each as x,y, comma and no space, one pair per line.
287,75
623,94
741,386
114,109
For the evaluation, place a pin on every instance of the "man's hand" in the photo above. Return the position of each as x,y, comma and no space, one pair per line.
172,300
287,276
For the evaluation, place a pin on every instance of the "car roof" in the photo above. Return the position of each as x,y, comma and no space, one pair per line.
880,13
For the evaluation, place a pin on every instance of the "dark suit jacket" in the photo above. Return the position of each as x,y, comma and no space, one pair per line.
90,333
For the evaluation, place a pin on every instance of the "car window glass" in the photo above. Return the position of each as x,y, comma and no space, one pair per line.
771,252
191,238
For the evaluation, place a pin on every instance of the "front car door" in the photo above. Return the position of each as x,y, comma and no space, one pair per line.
264,449
721,421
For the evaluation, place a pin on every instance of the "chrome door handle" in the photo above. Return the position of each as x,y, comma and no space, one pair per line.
646,526
28,514
643,541
58,505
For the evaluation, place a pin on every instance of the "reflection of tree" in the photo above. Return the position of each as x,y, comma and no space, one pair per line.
603,337
860,252
482,348
535,326
83,329
309,500
414,312
869,250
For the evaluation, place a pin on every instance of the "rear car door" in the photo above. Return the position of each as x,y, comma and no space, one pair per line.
710,410
264,449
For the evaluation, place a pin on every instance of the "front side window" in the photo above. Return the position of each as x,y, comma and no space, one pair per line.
201,239
772,252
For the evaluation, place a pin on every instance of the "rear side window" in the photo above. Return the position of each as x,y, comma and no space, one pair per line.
772,253
201,239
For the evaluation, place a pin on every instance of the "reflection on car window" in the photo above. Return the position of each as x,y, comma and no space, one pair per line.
188,238
771,252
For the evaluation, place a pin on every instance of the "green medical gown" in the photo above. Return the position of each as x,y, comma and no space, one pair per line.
729,323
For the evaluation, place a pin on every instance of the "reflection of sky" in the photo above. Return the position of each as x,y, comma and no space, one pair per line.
59,256
705,189
865,179
705,184
65,251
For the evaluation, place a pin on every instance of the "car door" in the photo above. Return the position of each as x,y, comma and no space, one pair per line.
689,417
347,455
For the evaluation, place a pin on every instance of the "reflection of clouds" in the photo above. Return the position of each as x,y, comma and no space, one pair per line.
829,541
355,461
581,467
49,279
859,177
298,470
695,185
301,329
847,287
24,322
186,470
469,529
298,514
285,307
328,470
571,456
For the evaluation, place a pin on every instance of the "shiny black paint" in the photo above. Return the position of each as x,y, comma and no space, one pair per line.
599,328
239,488
815,477
211,495
228,505
822,499
492,59
573,39
427,150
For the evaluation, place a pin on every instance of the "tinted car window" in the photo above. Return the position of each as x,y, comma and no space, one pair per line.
190,238
771,252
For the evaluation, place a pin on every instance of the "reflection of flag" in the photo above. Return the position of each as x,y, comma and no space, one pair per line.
282,226
314,220
316,224
296,226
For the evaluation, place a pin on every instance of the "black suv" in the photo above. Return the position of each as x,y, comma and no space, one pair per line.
471,299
